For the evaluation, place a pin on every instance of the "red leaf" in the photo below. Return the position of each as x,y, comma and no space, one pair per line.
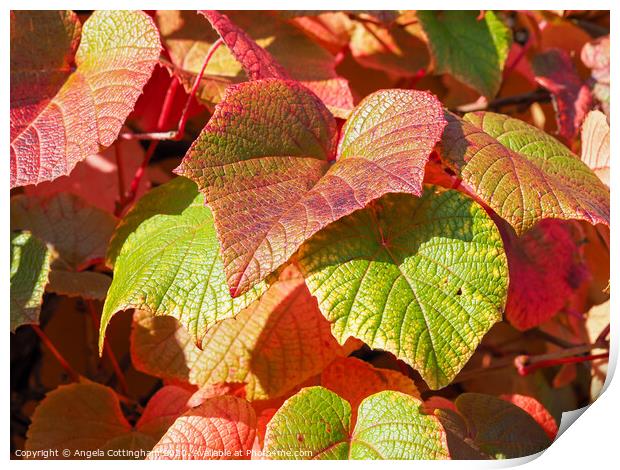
270,141
222,428
256,61
536,410
59,117
546,268
571,97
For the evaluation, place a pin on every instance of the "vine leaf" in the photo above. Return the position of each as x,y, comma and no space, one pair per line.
354,379
77,232
520,172
87,418
30,267
59,116
166,261
255,60
318,422
273,345
269,194
473,51
393,48
572,98
549,255
222,428
595,56
595,150
423,278
275,47
498,428
536,410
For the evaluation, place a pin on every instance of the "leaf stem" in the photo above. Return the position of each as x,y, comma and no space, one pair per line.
537,96
526,368
120,377
75,377
180,132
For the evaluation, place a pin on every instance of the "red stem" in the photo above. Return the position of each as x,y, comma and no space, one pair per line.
523,369
122,383
61,360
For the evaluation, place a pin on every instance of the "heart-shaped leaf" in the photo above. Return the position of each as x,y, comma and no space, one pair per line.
520,172
495,426
85,419
222,428
268,195
424,278
273,345
316,424
473,50
166,260
30,267
59,116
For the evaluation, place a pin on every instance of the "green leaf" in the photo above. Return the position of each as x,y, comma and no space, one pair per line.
168,263
30,267
423,278
496,427
263,163
522,173
473,51
273,345
390,425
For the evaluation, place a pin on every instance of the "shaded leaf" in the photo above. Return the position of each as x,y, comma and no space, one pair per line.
188,38
423,278
536,410
95,179
278,342
522,173
166,261
497,427
396,49
390,425
59,116
595,144
549,255
86,284
473,51
77,231
87,417
289,190
30,267
572,99
222,428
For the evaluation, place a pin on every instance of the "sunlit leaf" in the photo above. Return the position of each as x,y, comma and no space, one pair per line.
522,173
424,278
595,143
222,428
61,114
166,261
268,195
390,425
275,344
30,267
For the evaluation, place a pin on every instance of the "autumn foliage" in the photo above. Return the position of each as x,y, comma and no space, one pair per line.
306,235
